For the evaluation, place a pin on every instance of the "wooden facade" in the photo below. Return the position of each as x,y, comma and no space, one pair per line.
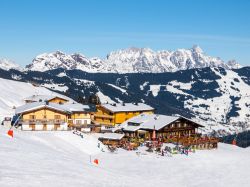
44,119
55,99
54,114
58,100
110,142
181,131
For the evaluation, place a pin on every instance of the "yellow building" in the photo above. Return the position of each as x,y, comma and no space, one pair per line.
54,114
111,114
49,98
43,116
81,115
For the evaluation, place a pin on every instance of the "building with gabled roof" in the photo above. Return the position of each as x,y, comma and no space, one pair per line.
53,115
165,128
55,98
164,125
108,115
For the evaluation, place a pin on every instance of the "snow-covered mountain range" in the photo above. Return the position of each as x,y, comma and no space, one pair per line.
205,88
7,64
131,60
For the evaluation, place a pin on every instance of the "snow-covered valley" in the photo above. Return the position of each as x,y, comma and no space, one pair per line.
63,159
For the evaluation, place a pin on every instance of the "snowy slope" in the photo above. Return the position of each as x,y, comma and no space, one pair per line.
219,98
62,159
234,93
13,92
131,60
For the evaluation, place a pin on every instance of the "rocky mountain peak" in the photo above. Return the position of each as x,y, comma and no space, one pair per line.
132,60
7,64
197,49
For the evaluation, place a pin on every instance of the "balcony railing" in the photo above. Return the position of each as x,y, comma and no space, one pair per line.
103,122
31,121
104,116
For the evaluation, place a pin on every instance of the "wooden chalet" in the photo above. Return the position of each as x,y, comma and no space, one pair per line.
49,98
54,113
174,129
111,139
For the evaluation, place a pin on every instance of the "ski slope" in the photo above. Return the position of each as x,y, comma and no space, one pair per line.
63,159
13,93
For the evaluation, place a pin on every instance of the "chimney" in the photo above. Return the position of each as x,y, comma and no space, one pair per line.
156,117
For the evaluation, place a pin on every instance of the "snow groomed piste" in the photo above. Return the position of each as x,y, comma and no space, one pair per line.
62,159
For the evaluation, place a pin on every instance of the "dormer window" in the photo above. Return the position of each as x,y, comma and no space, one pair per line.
133,124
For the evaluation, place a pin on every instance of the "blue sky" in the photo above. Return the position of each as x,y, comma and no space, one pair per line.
94,28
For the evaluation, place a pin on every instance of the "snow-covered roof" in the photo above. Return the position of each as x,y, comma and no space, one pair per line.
68,108
37,105
149,121
77,107
127,107
37,98
111,136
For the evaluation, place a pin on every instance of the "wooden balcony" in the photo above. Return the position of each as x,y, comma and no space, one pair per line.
103,123
104,116
194,140
43,121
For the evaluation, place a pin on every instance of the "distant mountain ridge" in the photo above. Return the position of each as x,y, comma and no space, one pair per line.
131,60
7,64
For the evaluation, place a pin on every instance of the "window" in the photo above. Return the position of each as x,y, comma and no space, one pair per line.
32,117
57,117
133,124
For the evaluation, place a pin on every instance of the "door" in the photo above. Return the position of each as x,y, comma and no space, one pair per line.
57,126
32,126
44,127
